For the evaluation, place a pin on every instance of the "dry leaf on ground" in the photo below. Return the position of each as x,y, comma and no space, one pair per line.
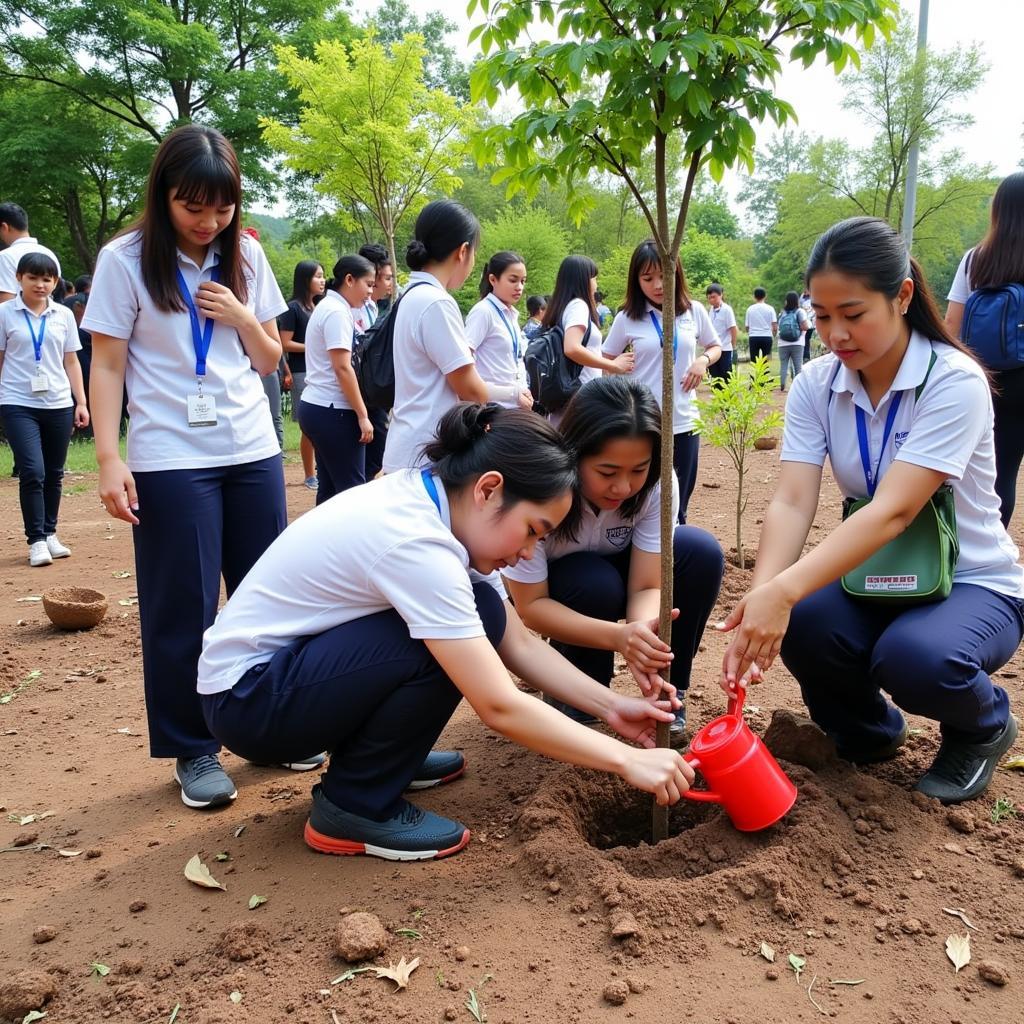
399,973
767,952
959,913
1014,762
958,949
199,874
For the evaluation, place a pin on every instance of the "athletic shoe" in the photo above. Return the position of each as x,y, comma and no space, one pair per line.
677,727
306,764
440,766
56,549
873,755
311,483
961,771
39,554
412,834
203,782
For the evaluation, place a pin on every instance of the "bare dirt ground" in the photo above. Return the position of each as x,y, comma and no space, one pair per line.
556,898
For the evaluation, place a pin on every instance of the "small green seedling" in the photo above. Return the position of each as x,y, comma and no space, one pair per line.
408,933
797,964
417,915
350,974
1004,807
222,856
98,970
474,1007
439,977
256,901
174,1013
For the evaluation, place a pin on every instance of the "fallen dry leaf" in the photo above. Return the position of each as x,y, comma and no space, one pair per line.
958,913
958,949
399,973
1014,762
767,952
69,853
199,874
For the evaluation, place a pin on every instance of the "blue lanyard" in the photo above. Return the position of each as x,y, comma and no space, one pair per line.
513,334
871,479
201,338
428,483
661,334
37,342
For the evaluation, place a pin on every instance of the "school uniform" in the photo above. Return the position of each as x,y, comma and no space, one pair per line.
11,257
295,319
758,322
211,497
809,314
497,344
722,319
791,353
577,314
340,664
590,575
326,415
691,326
365,317
37,406
933,659
430,342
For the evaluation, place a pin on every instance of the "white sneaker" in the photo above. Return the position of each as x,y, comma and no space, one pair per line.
56,549
39,554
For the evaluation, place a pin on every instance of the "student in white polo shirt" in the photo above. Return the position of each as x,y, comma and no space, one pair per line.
332,412
375,307
580,583
638,325
434,366
493,333
17,242
42,398
393,612
183,310
723,319
901,405
761,324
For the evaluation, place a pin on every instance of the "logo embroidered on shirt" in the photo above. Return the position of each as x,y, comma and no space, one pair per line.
899,437
618,536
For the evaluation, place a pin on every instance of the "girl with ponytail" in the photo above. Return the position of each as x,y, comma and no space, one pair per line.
393,613
898,404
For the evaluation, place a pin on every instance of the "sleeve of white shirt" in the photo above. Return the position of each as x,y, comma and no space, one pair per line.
706,333
444,336
4,323
647,525
478,326
268,302
948,423
775,318
8,276
960,289
529,570
618,336
801,319
72,343
746,319
803,436
577,314
113,299
337,327
424,581
730,319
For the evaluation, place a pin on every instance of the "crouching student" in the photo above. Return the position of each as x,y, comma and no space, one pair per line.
900,408
582,582
394,612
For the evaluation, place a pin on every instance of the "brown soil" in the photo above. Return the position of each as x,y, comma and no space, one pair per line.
853,881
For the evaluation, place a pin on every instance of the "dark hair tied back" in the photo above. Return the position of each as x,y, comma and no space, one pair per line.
442,227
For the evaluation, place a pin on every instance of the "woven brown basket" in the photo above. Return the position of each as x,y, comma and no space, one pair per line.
75,607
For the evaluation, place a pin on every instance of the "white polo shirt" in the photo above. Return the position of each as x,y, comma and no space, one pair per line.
577,314
430,342
383,545
497,343
605,532
11,257
960,290
692,325
759,319
949,430
60,337
331,326
161,371
722,319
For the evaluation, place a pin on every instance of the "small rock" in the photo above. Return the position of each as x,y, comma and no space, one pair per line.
360,936
994,972
1018,867
44,933
25,991
771,974
25,839
917,875
93,854
862,828
961,819
137,906
911,926
862,898
451,1013
615,992
952,848
461,953
129,967
554,886
636,985
798,740
624,926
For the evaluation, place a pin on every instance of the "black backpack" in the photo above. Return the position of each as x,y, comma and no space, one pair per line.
553,379
373,358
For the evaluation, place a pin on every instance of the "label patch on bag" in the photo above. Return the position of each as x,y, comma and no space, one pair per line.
890,584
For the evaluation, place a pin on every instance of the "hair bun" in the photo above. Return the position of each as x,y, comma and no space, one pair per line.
460,428
416,254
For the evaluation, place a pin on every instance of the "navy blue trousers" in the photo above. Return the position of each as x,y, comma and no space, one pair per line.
760,346
685,452
722,366
194,526
340,457
933,659
365,691
375,449
1008,435
39,440
595,585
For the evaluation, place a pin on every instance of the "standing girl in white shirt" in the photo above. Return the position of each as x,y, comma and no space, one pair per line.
183,309
492,330
434,366
332,413
394,613
901,405
638,324
42,398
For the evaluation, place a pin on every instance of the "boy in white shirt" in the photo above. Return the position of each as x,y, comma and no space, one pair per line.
723,319
761,324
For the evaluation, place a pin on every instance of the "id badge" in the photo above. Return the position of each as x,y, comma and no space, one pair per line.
202,411
40,383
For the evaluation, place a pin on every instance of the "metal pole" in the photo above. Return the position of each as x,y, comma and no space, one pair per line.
910,197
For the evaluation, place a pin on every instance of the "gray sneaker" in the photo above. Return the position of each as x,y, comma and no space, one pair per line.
203,782
962,771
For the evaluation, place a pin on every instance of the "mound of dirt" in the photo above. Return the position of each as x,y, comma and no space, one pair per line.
25,991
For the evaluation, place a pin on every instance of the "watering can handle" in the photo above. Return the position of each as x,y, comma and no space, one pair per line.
736,701
706,795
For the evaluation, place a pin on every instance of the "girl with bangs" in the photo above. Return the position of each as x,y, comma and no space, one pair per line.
183,311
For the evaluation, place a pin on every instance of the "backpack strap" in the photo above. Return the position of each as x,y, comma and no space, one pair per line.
920,387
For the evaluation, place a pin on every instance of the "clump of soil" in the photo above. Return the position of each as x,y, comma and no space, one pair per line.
243,940
360,936
797,739
25,991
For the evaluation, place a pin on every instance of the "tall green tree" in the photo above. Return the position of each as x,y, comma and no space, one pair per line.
373,136
602,81
784,155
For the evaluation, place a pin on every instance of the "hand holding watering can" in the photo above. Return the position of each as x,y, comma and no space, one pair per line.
741,773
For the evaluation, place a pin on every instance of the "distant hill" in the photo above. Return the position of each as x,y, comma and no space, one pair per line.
276,228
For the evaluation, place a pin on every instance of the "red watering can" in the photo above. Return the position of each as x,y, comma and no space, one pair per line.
742,775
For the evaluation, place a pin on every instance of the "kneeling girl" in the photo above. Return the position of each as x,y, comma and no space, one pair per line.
394,612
